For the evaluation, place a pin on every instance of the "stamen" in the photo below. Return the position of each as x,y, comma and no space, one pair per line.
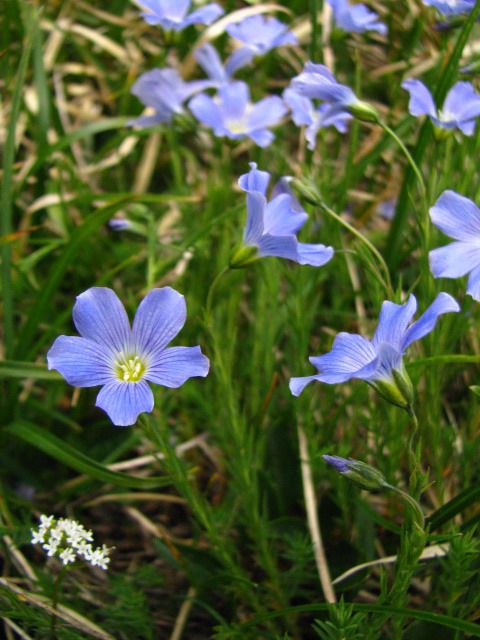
130,369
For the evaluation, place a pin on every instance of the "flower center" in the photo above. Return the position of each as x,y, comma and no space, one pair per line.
237,126
130,369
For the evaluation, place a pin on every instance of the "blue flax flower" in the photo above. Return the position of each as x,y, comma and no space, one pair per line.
272,225
356,18
379,361
460,109
451,7
260,34
173,14
304,112
122,359
231,113
459,218
165,91
207,57
318,82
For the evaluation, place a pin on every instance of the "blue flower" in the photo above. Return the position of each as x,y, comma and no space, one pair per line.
173,14
461,106
304,112
122,359
379,361
260,34
232,114
356,18
272,225
165,91
318,82
451,7
207,57
459,218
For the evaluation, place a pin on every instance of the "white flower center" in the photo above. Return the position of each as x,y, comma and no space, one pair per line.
237,126
130,368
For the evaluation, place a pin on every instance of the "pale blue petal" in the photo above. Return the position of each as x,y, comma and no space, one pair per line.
234,97
449,8
317,81
462,102
150,121
99,315
393,322
240,58
456,216
443,303
160,89
159,318
300,106
350,357
208,58
204,15
278,247
266,113
421,101
281,218
207,111
454,260
254,180
388,358
171,9
125,401
262,32
82,362
334,117
262,137
316,255
175,365
256,203
297,385
473,288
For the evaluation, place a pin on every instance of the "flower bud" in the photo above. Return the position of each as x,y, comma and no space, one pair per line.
308,190
364,111
362,474
242,256
397,390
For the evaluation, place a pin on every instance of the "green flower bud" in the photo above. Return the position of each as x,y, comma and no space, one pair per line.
364,111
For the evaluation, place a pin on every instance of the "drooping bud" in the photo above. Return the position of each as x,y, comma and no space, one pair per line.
308,191
364,111
359,472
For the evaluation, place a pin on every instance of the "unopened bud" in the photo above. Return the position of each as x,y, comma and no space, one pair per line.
243,255
359,472
364,111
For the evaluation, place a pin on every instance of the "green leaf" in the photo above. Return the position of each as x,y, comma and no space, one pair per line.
71,457
36,371
454,506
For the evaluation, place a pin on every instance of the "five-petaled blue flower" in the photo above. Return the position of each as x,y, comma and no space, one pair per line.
272,225
379,361
304,112
451,7
356,18
231,113
165,91
260,34
123,359
173,14
459,218
461,106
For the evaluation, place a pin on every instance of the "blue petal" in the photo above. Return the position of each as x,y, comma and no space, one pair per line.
278,247
161,9
266,113
208,58
393,322
473,288
281,218
421,101
234,98
124,401
350,357
356,18
456,216
316,255
262,137
454,260
462,102
451,9
173,366
240,58
160,316
297,385
300,106
254,180
82,362
160,89
262,32
204,15
99,315
388,358
317,81
207,111
443,303
150,121
256,204
334,117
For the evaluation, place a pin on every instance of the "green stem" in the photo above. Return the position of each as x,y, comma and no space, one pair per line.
211,290
56,591
407,154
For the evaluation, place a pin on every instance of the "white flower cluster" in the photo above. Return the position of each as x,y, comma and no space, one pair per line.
69,540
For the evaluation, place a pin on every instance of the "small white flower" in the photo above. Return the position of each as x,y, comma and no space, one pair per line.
67,556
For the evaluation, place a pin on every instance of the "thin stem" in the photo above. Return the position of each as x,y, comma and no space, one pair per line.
416,509
211,290
407,154
56,591
313,524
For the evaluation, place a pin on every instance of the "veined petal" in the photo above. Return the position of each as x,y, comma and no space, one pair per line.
281,218
99,315
278,247
205,109
297,385
125,401
82,362
204,15
256,203
462,102
388,358
456,216
266,113
421,101
316,255
208,58
443,303
173,366
393,322
240,58
254,180
454,260
473,288
300,106
261,137
234,97
160,316
349,357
